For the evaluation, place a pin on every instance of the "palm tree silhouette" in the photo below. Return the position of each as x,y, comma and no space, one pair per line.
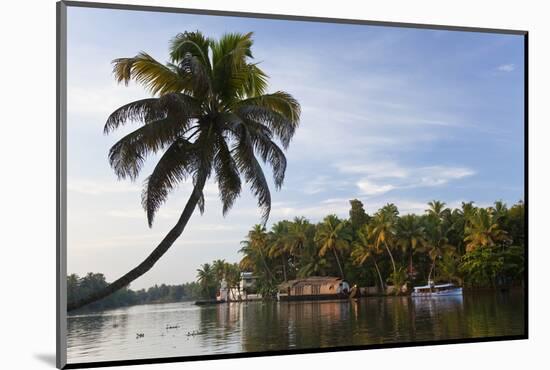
211,116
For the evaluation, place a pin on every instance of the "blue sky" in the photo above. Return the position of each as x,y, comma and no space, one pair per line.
388,115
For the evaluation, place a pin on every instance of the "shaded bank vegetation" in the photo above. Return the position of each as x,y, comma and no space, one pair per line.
78,287
472,246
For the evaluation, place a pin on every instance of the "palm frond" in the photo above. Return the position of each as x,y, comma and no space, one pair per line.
154,76
175,165
279,111
268,150
194,43
248,164
255,82
127,156
178,106
227,175
144,110
233,77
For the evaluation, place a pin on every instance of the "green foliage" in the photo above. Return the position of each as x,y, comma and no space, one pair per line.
398,278
83,286
408,249
207,279
481,266
210,114
357,215
333,235
448,268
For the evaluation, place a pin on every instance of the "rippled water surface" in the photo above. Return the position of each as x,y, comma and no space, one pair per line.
183,329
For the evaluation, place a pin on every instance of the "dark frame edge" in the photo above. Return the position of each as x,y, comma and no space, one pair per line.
526,177
227,356
61,181
290,17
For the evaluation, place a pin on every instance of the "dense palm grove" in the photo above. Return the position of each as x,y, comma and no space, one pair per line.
471,246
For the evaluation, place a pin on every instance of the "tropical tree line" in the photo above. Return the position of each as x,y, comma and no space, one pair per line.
92,282
211,275
471,246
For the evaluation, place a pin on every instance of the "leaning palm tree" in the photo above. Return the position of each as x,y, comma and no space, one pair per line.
365,250
333,235
300,240
209,116
437,245
410,236
277,241
383,230
257,248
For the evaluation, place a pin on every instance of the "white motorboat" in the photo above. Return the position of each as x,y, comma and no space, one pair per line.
432,290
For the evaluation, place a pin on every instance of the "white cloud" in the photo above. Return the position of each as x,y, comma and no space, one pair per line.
369,188
379,169
506,67
382,177
441,175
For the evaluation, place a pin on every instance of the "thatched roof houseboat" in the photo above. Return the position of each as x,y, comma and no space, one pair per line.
313,288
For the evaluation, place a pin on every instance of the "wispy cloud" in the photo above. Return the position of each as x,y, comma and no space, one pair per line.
323,183
367,187
506,67
383,177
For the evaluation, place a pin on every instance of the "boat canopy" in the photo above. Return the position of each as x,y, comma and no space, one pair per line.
312,280
448,285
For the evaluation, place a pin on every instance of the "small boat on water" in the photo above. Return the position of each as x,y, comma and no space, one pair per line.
432,290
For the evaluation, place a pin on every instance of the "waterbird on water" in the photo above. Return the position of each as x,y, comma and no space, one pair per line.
194,332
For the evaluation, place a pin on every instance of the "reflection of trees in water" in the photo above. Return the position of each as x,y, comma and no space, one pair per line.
264,326
219,323
87,329
500,313
438,318
267,326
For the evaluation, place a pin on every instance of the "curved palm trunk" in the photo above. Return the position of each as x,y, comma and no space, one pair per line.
265,266
431,270
284,267
391,257
338,261
379,276
150,261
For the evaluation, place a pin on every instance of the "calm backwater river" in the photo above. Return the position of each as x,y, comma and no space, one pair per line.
263,326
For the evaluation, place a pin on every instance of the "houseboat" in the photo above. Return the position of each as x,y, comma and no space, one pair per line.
314,288
432,290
